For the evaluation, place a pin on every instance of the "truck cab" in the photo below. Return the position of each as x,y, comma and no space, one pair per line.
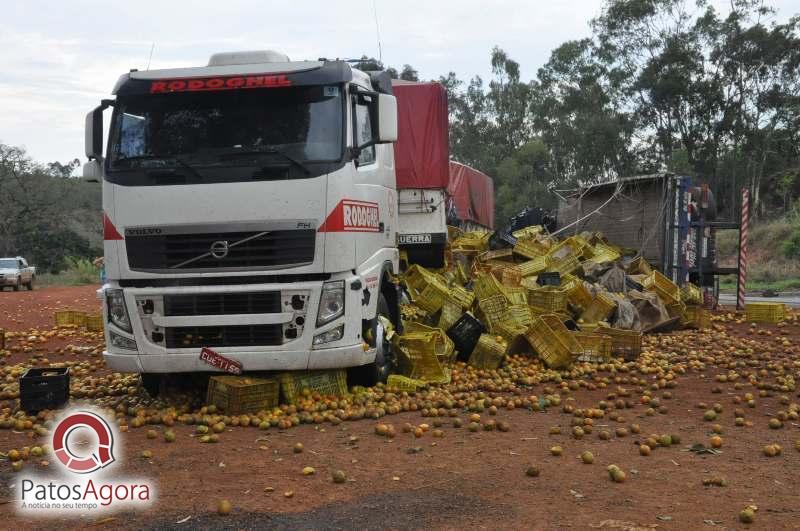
249,207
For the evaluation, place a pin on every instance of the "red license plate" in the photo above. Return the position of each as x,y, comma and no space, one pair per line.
215,359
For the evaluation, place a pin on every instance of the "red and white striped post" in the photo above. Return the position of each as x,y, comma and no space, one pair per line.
742,283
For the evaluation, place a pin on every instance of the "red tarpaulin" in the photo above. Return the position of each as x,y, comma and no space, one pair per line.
421,153
472,193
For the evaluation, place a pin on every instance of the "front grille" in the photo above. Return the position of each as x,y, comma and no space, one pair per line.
222,303
193,251
223,336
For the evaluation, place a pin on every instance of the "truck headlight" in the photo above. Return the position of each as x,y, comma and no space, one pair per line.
335,334
117,311
331,302
122,342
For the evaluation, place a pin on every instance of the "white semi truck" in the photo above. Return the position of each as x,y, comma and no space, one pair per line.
250,210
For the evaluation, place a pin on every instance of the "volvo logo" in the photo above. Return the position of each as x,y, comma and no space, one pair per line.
219,249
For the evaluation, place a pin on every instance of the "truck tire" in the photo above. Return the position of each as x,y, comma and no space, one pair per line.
29,285
18,285
385,359
152,383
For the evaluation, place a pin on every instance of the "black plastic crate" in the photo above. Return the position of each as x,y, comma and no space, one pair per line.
549,279
465,334
44,388
501,240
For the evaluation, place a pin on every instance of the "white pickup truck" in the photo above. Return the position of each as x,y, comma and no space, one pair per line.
16,272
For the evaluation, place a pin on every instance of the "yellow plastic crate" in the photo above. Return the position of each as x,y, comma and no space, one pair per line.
530,249
548,299
242,394
765,312
595,348
564,265
626,343
493,309
696,317
552,341
94,322
639,266
603,253
519,315
70,318
496,254
431,298
532,267
488,354
599,309
486,286
511,276
691,294
667,290
400,383
528,232
516,295
451,311
297,384
421,356
510,331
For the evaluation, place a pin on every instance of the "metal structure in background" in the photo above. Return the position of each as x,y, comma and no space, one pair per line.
741,284
664,217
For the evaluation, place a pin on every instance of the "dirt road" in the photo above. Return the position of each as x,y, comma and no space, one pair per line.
469,479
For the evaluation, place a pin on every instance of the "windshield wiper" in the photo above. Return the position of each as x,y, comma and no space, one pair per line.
266,151
165,158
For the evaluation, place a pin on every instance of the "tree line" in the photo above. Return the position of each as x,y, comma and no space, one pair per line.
660,85
45,214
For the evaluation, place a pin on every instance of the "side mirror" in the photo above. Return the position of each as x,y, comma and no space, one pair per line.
94,131
94,134
92,171
387,119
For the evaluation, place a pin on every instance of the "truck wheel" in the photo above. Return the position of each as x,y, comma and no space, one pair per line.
385,360
152,383
18,285
29,285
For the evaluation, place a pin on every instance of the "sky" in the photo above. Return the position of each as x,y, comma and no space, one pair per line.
59,58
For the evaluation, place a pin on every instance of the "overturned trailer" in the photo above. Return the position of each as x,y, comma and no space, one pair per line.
661,217
470,198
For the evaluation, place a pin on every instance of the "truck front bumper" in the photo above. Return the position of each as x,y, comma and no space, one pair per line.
326,358
168,338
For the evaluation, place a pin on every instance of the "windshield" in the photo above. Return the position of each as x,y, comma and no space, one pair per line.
151,131
8,263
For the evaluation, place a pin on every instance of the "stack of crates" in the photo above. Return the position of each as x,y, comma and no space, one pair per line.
765,312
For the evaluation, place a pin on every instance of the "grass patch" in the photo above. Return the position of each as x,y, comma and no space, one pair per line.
79,272
768,268
786,284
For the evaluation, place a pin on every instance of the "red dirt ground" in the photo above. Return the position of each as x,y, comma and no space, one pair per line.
465,479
